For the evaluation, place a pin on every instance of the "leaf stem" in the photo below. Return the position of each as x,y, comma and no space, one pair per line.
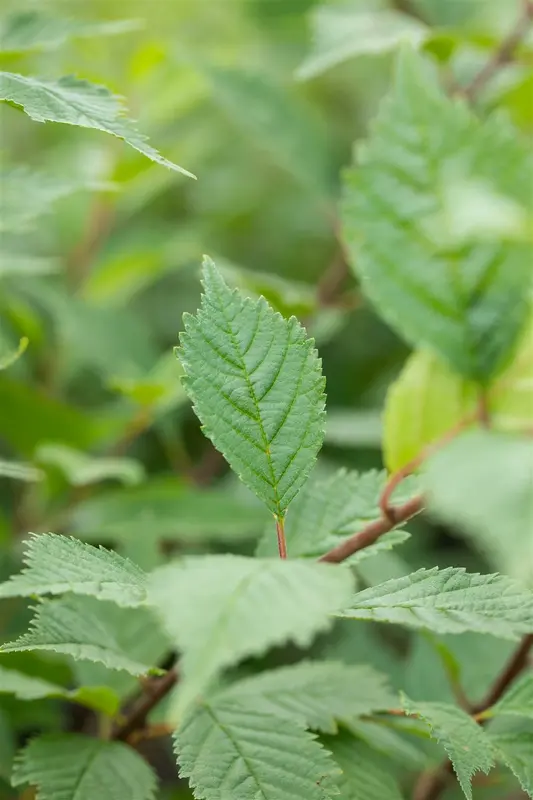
282,543
154,691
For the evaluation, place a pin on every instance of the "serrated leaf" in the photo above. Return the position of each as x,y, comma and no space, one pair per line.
21,31
27,687
77,102
515,750
314,694
328,511
77,627
466,743
341,33
242,606
365,774
165,509
58,564
76,767
429,399
250,755
517,701
257,387
81,469
481,483
449,601
19,471
464,295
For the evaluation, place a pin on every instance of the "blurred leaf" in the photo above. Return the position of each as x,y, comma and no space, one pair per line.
19,471
35,30
9,357
347,428
7,746
341,33
26,687
160,389
277,122
365,774
242,606
76,102
517,700
481,484
13,263
257,387
64,767
28,416
81,469
58,564
77,627
466,743
429,399
448,601
514,749
168,510
393,214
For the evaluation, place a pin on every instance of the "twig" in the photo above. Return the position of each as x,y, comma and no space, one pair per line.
371,532
503,54
153,693
430,785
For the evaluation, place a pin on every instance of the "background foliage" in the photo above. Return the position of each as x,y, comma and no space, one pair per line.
100,249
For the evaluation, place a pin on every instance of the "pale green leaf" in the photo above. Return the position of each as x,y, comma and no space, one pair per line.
27,687
14,263
77,627
428,399
341,33
76,102
449,601
328,511
58,564
21,31
466,743
81,469
20,471
76,767
8,357
257,387
481,483
351,429
464,296
515,749
366,775
250,755
517,701
167,510
242,606
314,694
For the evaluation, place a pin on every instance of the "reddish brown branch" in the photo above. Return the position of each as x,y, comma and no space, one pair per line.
282,543
503,55
154,691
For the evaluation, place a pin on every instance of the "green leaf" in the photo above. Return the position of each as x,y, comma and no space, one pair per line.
341,33
9,357
77,627
75,767
461,293
429,399
517,701
19,471
365,774
27,687
257,387
13,263
58,564
328,511
81,469
481,484
277,122
314,694
449,601
242,606
514,749
466,743
21,31
165,509
76,102
350,429
250,754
